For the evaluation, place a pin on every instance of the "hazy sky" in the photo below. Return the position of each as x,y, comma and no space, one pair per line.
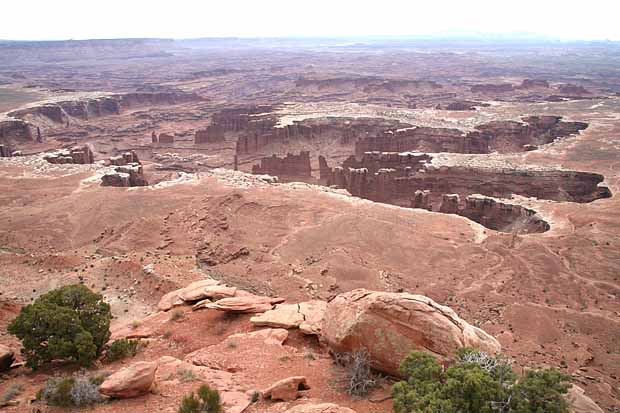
81,19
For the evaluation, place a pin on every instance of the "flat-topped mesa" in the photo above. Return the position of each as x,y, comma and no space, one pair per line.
492,88
93,107
571,90
403,162
496,136
501,216
290,165
211,134
125,176
76,155
410,180
534,84
344,131
124,158
16,129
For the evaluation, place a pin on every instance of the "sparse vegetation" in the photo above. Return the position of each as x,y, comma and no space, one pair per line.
476,383
176,314
186,375
123,348
359,378
206,400
69,323
14,390
74,391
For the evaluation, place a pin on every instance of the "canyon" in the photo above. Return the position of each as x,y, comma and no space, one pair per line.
292,175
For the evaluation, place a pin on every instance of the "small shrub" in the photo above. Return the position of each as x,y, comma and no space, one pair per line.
75,391
186,375
359,378
135,324
123,348
206,400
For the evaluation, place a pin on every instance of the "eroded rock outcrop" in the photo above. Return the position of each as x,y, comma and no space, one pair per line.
124,158
290,165
245,304
76,155
580,403
391,325
125,176
307,316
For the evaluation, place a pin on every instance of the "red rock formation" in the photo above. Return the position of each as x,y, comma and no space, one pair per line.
154,138
212,134
421,200
390,325
15,129
324,169
449,204
573,90
499,136
501,216
76,155
125,176
534,83
125,158
492,88
5,151
291,165
165,138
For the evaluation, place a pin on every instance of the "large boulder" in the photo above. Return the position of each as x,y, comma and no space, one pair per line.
391,325
286,389
6,358
319,408
173,298
580,403
131,381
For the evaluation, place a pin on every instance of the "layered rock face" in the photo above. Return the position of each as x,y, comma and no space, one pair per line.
497,136
534,84
492,88
125,176
391,325
76,155
124,159
5,151
15,129
345,131
165,138
409,179
290,165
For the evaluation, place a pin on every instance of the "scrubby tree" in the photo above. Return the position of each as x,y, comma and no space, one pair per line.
69,323
476,383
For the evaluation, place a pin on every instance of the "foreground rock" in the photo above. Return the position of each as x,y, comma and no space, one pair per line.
6,358
580,403
287,389
307,316
391,325
319,408
131,381
173,298
245,304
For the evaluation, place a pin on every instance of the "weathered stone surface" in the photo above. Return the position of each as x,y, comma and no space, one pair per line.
210,291
286,389
314,315
580,403
391,325
173,298
283,316
245,304
269,336
319,408
7,356
131,381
